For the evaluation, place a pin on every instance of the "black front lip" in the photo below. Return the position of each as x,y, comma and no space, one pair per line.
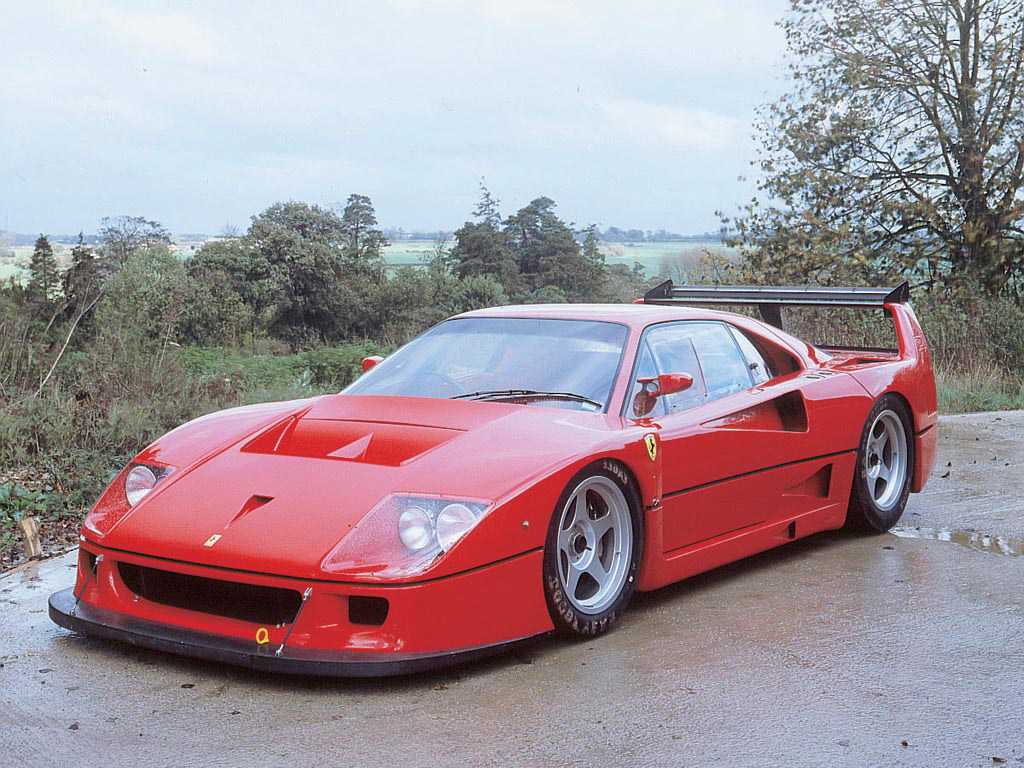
91,620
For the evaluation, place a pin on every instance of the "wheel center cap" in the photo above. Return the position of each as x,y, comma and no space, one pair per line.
579,544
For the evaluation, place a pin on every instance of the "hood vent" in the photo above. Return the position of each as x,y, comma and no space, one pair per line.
371,442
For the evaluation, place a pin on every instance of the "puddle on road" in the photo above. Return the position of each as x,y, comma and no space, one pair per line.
983,542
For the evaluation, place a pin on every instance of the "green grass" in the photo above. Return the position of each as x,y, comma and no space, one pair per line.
980,390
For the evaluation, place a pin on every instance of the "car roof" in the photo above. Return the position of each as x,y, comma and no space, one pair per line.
633,315
639,316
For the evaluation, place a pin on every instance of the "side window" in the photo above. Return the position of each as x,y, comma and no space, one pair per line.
644,369
725,370
673,352
759,370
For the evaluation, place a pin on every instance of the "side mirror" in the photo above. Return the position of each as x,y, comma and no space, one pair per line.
369,362
655,386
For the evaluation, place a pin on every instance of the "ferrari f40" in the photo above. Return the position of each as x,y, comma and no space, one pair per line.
510,473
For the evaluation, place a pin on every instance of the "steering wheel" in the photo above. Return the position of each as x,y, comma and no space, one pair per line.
453,387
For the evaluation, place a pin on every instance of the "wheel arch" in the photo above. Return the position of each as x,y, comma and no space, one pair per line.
923,434
915,419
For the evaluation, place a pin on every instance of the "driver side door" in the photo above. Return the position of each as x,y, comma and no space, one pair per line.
719,435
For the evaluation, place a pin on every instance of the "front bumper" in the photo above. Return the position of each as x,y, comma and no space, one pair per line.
238,617
92,620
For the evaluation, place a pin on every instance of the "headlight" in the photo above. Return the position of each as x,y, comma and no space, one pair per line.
454,522
415,528
404,534
140,481
129,488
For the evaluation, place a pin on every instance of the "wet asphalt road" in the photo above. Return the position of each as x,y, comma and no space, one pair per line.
839,650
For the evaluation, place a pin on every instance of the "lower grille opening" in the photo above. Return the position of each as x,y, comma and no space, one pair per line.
234,600
371,611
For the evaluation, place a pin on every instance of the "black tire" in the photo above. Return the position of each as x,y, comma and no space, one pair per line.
865,512
566,614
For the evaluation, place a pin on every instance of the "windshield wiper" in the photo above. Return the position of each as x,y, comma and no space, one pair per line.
515,394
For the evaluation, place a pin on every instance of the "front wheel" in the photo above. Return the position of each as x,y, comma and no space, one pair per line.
885,464
593,550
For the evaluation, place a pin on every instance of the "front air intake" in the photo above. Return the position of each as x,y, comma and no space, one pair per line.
231,599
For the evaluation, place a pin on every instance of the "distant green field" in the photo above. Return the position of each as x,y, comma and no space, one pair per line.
409,252
650,255
16,267
10,270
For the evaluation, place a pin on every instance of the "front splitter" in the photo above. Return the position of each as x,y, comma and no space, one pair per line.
91,620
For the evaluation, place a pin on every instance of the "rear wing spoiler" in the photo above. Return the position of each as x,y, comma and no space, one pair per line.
769,300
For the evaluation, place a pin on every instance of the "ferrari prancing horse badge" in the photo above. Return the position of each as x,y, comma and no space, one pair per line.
652,446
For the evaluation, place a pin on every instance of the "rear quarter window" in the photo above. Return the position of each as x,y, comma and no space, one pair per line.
724,367
776,361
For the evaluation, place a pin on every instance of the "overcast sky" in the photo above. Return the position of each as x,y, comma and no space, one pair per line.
634,114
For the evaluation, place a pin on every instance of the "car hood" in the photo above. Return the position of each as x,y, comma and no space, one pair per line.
282,494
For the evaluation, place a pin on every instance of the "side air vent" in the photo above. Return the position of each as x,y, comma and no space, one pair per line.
818,485
786,413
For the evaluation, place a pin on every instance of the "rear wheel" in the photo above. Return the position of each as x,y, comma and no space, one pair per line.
593,549
885,465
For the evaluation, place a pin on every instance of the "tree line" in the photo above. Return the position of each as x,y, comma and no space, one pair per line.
301,275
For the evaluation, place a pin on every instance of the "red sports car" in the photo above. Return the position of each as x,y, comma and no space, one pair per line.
511,472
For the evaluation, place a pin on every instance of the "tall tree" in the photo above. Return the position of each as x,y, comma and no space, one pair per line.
481,246
364,241
82,281
487,209
83,286
899,147
547,253
44,276
120,236
320,290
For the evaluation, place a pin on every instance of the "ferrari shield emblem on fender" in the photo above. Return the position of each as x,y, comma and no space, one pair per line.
652,446
212,540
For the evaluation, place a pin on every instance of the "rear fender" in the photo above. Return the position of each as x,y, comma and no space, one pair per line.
912,377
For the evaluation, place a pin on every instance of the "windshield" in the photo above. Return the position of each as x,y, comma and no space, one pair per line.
560,363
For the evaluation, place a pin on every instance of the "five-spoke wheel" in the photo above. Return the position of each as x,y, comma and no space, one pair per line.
886,459
595,539
593,551
885,463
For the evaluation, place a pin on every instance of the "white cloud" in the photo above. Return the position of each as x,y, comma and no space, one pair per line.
508,11
674,126
196,111
175,35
